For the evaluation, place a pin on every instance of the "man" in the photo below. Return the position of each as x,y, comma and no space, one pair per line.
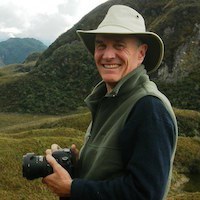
130,144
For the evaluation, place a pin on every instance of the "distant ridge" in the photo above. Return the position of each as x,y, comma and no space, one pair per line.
15,50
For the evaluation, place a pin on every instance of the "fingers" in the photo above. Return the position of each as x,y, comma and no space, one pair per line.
60,180
48,152
75,151
73,147
52,161
55,147
58,170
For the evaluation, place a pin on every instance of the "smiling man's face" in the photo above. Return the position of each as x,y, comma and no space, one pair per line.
116,56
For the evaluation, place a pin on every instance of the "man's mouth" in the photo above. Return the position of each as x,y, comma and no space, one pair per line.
113,66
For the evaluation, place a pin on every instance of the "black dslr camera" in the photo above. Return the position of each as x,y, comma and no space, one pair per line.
37,166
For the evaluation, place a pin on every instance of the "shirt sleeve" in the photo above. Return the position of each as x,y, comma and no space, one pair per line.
147,143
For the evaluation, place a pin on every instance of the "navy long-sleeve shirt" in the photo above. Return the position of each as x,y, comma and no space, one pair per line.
146,144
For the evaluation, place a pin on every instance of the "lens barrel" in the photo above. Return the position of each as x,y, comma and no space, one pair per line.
34,166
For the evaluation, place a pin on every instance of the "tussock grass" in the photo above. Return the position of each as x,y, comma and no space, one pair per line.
31,136
12,72
188,122
185,196
23,133
187,158
15,123
12,184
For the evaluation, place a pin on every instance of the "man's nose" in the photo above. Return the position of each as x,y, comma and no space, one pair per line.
109,53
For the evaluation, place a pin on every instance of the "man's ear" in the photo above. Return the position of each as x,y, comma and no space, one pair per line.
142,52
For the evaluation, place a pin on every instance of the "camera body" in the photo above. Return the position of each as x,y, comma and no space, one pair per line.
34,166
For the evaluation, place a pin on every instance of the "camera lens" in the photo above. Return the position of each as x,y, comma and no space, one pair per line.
35,166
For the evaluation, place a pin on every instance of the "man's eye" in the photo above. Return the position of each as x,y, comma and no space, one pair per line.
119,46
100,46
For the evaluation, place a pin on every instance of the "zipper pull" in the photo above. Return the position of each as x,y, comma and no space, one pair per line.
89,136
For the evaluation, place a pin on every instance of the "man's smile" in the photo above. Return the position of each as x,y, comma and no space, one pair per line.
113,66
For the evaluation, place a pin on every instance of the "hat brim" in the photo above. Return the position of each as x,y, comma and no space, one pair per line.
154,53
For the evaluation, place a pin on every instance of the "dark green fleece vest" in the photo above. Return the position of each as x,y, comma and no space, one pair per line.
100,156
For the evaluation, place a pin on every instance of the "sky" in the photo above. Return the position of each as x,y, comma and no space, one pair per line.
44,20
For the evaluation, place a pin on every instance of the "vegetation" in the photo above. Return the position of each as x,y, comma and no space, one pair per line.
54,89
184,93
20,134
188,122
23,133
15,72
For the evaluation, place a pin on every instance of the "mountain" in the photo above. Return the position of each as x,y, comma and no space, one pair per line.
65,73
15,50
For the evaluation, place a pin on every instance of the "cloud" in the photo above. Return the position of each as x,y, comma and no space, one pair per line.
9,18
45,20
41,19
68,8
46,27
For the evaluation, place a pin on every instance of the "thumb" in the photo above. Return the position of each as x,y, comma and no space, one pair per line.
52,161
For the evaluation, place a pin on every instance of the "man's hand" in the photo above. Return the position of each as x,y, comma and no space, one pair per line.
60,181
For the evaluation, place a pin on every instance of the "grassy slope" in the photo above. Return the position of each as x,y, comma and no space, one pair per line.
20,134
31,135
13,72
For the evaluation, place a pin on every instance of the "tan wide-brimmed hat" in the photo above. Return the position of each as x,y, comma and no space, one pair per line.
121,19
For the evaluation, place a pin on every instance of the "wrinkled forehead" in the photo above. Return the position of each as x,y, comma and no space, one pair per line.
114,36
117,38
